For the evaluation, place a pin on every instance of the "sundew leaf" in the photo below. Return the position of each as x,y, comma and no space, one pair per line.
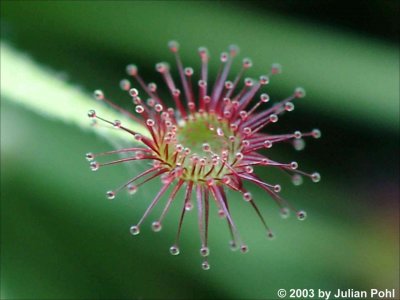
101,247
45,92
344,74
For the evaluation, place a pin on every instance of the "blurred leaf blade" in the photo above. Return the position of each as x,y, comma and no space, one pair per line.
46,93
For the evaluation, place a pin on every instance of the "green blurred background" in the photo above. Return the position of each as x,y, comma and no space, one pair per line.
62,239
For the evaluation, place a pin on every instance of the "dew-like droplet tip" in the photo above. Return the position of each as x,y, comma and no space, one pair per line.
270,235
276,68
205,266
174,250
234,50
315,177
173,46
98,94
299,92
135,230
89,156
156,226
94,166
247,196
91,113
247,63
244,248
110,195
316,133
125,84
301,215
131,69
204,251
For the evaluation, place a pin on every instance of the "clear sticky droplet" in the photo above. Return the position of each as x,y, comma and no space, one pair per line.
206,147
233,246
299,144
277,188
276,68
132,189
150,122
223,57
301,215
139,109
289,106
270,235
188,206
152,87
94,166
249,169
161,67
264,79
239,156
98,94
316,133
136,101
297,134
273,118
247,196
247,63
228,86
297,179
244,248
234,127
91,113
299,92
249,82
233,50
133,92
246,143
158,107
151,102
294,165
188,71
117,124
173,46
264,98
125,84
131,70
179,148
174,250
205,266
203,52
134,230
156,226
89,156
315,177
285,212
267,144
204,251
110,195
